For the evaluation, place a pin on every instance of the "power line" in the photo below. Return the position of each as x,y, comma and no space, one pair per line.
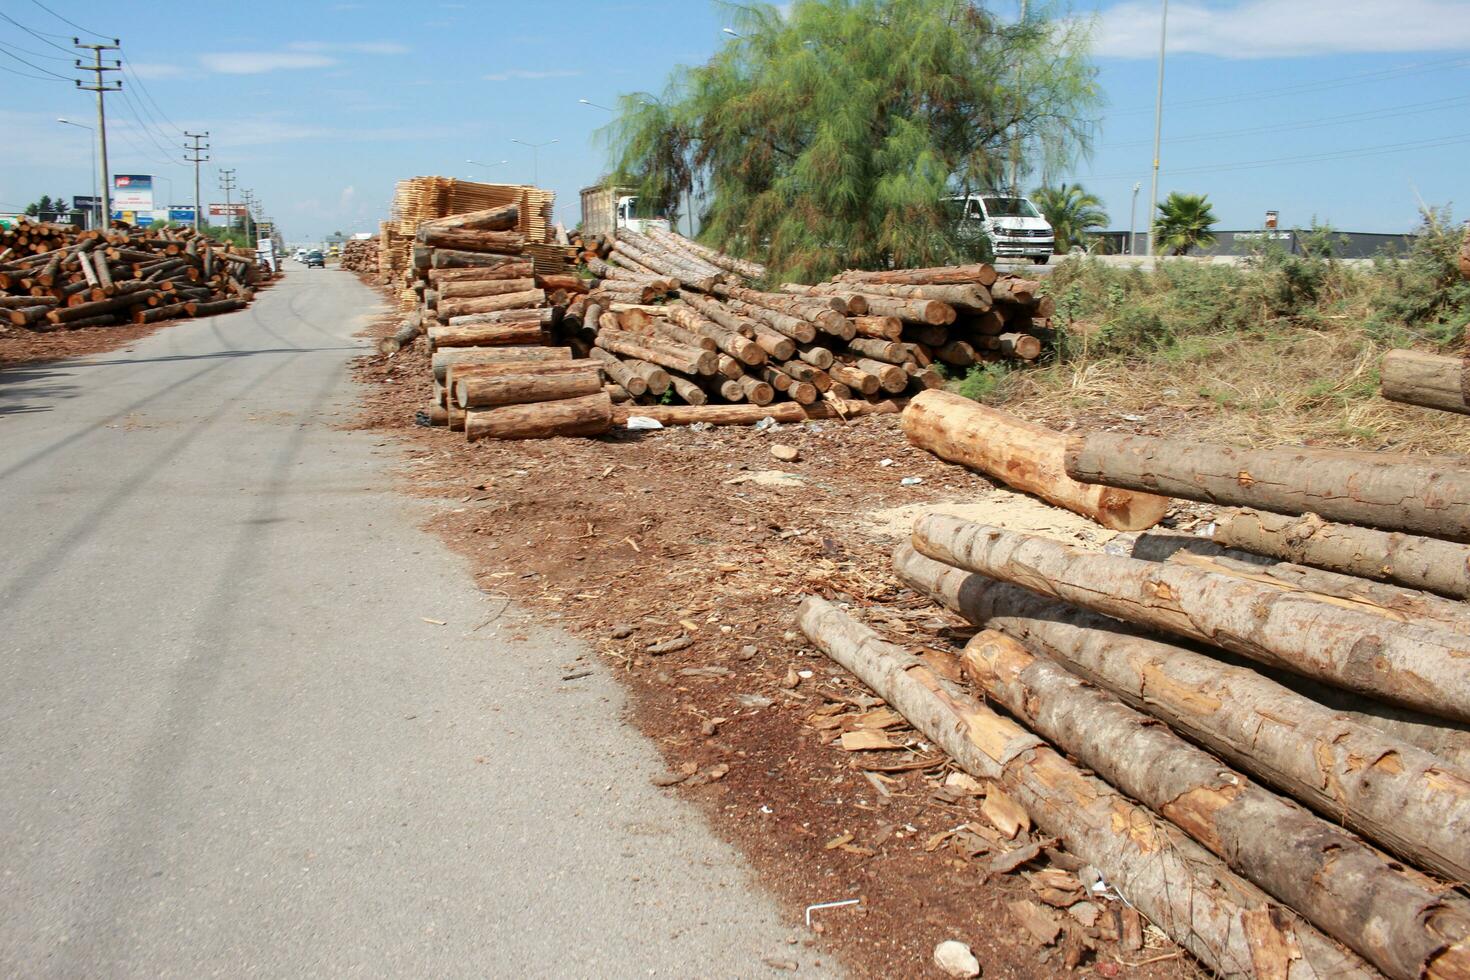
28,64
67,22
24,74
34,54
35,34
129,70
143,127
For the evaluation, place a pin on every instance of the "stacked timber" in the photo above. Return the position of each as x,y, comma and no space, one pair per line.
360,255
1285,727
56,277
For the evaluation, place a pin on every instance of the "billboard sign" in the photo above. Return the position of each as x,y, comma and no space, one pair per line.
185,213
227,210
132,192
82,203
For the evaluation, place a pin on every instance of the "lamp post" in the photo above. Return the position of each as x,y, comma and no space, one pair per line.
596,105
94,219
488,166
535,156
1153,190
1132,221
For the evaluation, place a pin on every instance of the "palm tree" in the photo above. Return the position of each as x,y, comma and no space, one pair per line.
1183,222
1071,211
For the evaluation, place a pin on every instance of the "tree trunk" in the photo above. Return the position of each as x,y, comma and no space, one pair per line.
498,242
691,393
481,391
1229,924
508,270
1025,456
737,346
855,378
844,303
1332,878
980,274
888,351
456,373
891,378
1014,289
98,307
800,330
1361,650
453,258
403,336
544,316
473,288
1394,793
927,311
685,360
957,353
619,372
589,415
1417,562
1396,493
490,355
1428,380
487,335
879,327
751,414
491,304
503,218
656,378
967,298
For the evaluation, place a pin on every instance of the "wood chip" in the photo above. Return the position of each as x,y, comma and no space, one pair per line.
864,741
1004,813
1043,924
433,622
1003,864
839,841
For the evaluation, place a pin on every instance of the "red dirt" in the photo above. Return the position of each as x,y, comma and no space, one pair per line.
667,533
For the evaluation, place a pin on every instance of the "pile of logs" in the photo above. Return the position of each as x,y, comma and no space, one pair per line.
1259,740
360,255
56,277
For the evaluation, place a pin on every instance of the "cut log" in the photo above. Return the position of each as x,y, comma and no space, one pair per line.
655,377
488,335
1024,455
588,415
880,327
471,288
503,218
1392,492
99,307
927,311
966,298
688,391
479,391
546,317
980,274
887,351
855,378
1417,562
1014,289
800,330
751,414
1332,878
507,270
957,353
491,304
676,357
756,391
403,336
1346,644
499,242
441,360
1406,799
453,258
619,372
1427,380
891,378
1228,923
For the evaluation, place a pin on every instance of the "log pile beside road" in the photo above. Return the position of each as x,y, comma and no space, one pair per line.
1272,735
360,255
57,277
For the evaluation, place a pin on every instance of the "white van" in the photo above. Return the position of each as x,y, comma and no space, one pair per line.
1015,227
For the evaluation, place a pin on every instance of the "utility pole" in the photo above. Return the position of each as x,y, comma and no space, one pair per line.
1133,221
227,184
199,157
1153,189
1016,143
100,87
249,198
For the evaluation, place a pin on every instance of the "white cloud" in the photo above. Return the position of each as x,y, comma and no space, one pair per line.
1273,29
259,62
150,69
518,73
353,47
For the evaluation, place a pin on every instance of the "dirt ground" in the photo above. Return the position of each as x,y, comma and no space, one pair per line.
20,346
702,543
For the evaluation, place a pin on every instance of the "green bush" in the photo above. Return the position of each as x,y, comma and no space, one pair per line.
982,383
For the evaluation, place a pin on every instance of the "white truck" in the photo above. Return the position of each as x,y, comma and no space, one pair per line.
1015,227
606,209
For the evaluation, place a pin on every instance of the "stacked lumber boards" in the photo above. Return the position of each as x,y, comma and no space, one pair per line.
1273,735
360,255
56,277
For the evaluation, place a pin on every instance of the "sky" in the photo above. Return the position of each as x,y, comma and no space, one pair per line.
1349,112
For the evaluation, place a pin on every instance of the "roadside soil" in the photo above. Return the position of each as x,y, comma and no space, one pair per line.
643,539
20,346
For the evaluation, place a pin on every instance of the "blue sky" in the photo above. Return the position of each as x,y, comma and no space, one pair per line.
320,106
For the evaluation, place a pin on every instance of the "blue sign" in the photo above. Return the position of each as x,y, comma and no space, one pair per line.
181,214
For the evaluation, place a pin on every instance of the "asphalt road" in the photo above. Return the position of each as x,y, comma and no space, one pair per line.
230,744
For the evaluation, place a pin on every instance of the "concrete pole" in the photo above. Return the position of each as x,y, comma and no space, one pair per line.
100,87
1133,221
1153,190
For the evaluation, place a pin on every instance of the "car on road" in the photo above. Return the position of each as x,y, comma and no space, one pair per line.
315,260
1015,227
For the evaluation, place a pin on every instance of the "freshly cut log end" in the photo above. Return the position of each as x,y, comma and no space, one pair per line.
1022,454
588,415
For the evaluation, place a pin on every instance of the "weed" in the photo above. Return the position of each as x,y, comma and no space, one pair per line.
982,382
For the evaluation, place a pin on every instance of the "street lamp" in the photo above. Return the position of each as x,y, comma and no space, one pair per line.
726,30
91,211
1153,189
1132,219
535,156
596,105
488,166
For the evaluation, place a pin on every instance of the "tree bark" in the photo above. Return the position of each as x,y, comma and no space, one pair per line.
1427,380
1397,794
855,378
926,311
474,288
588,415
1023,455
491,304
1228,923
688,391
545,316
891,378
498,242
800,330
980,274
751,414
966,298
619,372
508,270
677,357
481,391
503,218
888,351
1392,492
454,258
1417,562
879,327
1364,651
1332,878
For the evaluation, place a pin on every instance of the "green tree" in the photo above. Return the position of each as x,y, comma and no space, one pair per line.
1184,222
1071,211
46,204
831,136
